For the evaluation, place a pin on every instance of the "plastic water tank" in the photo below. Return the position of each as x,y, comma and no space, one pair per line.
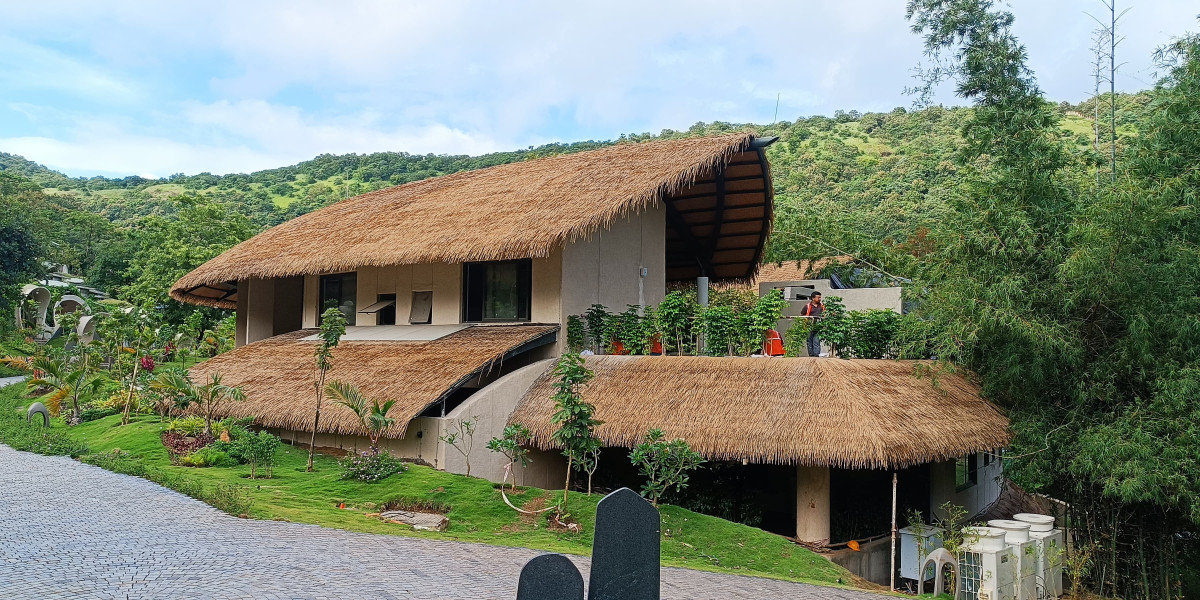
1015,532
987,539
1036,522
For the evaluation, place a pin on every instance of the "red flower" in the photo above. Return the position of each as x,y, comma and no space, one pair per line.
147,364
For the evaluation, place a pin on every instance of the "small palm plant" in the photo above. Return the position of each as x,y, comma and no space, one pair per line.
209,398
65,381
374,416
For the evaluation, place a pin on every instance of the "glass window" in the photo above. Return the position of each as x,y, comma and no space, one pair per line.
497,291
966,471
340,291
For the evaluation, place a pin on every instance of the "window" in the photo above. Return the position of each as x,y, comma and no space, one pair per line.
421,311
387,314
497,291
339,291
966,472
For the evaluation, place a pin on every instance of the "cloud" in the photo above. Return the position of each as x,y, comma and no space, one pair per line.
234,86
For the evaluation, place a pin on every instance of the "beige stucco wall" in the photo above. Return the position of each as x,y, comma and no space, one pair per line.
812,504
604,268
493,405
260,308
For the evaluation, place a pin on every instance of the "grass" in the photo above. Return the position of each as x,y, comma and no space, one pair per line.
476,510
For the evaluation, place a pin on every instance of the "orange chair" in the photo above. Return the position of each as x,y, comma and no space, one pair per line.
773,345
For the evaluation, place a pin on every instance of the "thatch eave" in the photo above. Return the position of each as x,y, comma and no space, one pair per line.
815,412
518,210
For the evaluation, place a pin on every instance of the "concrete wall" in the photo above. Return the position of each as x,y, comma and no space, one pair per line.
871,562
976,498
289,305
240,314
493,405
852,299
605,268
260,308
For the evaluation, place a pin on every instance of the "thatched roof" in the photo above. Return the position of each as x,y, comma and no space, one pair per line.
811,411
277,374
716,191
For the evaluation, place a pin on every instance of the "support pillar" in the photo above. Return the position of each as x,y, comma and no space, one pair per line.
812,504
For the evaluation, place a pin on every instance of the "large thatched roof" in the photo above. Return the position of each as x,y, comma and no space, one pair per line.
812,411
277,374
716,191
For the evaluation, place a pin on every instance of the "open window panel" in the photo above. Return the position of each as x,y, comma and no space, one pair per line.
384,309
421,312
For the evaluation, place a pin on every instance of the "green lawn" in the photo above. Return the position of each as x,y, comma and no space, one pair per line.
477,513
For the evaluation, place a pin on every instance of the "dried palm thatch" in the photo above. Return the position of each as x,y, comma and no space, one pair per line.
518,210
277,374
809,411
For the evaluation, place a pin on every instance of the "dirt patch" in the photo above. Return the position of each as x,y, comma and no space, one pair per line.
555,522
414,505
532,506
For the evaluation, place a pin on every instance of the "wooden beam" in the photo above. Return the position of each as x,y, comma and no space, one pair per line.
718,214
685,235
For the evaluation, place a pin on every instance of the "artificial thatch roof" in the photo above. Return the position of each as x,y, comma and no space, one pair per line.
716,191
811,411
277,374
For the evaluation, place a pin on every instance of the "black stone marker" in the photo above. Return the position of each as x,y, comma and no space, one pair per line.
550,577
625,551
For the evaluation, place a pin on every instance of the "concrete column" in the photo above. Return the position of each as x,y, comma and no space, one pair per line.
812,504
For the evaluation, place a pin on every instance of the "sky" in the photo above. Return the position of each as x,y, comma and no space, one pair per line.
156,88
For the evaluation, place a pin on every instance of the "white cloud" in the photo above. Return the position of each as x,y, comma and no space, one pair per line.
235,86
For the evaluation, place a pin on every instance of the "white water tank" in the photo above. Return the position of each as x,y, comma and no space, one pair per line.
988,565
1016,536
1050,550
915,545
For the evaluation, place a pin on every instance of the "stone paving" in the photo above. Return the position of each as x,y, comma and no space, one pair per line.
70,530
7,381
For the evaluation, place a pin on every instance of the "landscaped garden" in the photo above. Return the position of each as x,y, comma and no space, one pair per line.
285,490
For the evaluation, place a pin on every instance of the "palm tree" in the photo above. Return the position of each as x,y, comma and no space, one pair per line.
373,417
209,398
64,381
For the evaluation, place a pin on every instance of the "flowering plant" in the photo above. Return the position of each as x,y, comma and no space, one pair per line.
371,466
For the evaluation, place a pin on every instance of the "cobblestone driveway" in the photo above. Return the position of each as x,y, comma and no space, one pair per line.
69,530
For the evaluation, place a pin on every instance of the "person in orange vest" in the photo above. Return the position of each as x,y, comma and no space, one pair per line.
813,311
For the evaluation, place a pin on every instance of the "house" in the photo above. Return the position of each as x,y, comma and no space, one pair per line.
458,290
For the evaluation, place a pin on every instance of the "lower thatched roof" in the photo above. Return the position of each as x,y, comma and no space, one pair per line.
811,411
277,374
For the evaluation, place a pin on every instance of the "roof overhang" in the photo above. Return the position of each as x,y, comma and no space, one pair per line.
716,191
809,411
277,373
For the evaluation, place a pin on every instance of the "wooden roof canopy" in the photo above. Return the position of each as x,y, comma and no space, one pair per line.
716,191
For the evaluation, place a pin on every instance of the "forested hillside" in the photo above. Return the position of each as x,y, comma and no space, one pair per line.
849,182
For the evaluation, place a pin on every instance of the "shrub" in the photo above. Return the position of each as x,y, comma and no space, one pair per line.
93,414
35,438
232,499
371,466
257,449
187,426
207,457
665,464
180,445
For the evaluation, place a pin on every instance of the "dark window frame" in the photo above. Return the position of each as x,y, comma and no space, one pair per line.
969,464
322,299
474,291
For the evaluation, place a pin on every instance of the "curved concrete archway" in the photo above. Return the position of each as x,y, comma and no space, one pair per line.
41,298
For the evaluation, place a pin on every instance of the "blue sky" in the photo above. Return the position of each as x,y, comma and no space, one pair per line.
155,88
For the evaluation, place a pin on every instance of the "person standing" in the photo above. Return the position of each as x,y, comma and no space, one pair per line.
813,311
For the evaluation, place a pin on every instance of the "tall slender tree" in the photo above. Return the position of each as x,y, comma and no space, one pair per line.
332,328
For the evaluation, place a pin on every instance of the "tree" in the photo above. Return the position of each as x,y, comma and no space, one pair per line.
170,249
462,438
65,380
664,464
511,444
373,416
209,398
332,328
574,416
